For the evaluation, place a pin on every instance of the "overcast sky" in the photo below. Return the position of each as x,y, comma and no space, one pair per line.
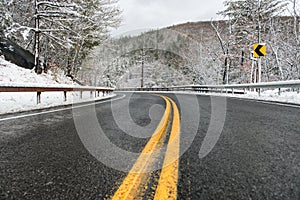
150,14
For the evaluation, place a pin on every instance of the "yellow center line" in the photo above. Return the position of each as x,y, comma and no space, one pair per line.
167,184
137,175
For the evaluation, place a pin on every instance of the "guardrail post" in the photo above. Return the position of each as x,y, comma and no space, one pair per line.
279,91
65,95
91,94
80,94
232,91
38,97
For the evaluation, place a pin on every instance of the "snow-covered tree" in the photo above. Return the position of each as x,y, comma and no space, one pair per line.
5,16
295,48
61,32
251,22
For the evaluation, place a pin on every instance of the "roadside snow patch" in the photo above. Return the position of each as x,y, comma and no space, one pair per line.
12,75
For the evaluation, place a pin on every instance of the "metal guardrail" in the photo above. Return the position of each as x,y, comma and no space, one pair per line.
39,90
233,89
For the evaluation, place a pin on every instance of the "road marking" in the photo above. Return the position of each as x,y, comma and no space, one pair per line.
167,185
268,102
130,186
137,179
58,110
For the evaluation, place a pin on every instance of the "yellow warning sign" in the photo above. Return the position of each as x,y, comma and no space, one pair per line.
260,50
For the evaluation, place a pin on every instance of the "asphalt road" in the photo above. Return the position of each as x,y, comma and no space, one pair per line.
58,155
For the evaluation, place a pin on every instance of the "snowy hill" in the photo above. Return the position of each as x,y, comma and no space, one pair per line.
200,52
12,75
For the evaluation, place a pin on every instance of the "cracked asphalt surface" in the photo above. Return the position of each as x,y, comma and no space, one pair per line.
256,157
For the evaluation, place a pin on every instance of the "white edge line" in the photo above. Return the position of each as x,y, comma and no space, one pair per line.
268,102
62,109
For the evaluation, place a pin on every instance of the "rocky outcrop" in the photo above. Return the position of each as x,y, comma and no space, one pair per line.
16,54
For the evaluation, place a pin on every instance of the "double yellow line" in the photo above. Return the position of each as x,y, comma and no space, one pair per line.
133,186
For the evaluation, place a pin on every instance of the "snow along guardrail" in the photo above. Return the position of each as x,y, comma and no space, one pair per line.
56,88
234,88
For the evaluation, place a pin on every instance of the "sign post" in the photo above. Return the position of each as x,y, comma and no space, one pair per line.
253,68
260,50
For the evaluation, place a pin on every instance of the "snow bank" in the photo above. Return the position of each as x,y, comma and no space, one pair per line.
12,75
286,96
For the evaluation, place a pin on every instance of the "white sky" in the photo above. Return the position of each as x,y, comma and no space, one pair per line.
141,15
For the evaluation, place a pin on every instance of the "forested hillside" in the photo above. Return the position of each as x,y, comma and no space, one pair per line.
74,36
201,52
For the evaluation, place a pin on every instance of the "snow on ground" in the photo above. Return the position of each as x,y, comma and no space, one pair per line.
12,75
286,96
